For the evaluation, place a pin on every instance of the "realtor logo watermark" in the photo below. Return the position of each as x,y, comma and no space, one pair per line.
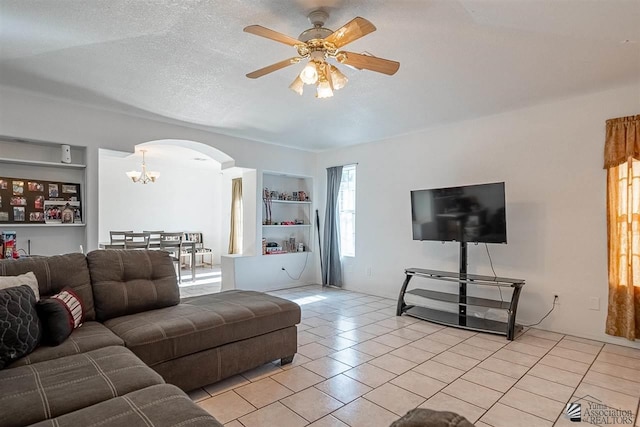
593,411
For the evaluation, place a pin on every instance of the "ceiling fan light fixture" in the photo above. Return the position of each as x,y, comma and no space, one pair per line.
309,73
297,85
318,45
324,90
338,79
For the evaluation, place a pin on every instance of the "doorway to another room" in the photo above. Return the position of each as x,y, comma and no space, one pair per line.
191,193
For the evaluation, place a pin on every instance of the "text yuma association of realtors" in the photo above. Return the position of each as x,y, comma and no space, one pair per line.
598,413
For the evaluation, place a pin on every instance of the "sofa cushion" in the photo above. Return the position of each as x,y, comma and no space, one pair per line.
56,387
133,281
202,323
28,279
19,324
90,336
60,314
55,273
158,405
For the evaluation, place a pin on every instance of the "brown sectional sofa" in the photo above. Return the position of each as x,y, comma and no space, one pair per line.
137,335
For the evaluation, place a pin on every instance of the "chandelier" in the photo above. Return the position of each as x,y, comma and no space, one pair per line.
144,176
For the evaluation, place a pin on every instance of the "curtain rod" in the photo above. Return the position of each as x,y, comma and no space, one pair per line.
346,164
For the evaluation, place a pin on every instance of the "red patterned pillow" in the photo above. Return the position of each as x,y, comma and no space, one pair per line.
60,314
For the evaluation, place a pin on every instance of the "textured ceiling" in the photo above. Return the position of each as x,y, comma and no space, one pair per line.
187,60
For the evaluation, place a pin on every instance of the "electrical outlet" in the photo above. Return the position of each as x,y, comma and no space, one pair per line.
594,303
556,299
368,271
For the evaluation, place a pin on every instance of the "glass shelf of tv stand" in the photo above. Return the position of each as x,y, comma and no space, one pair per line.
475,279
462,319
454,298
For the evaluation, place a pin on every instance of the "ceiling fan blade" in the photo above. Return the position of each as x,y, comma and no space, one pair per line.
352,30
372,63
273,67
261,31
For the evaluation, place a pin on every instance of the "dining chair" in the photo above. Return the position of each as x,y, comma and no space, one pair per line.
154,238
117,237
172,243
136,240
109,246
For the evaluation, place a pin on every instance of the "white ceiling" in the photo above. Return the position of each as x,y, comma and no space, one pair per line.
187,60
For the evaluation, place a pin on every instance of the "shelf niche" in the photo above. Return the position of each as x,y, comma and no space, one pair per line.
287,210
41,161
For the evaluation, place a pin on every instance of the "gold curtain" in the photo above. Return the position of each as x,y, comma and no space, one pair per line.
622,154
235,235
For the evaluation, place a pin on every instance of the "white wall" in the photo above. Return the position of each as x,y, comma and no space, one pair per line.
186,197
550,157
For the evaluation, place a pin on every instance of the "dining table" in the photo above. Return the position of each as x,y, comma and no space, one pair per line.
186,244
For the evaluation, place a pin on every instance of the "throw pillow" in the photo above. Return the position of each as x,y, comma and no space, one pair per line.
19,323
28,279
60,314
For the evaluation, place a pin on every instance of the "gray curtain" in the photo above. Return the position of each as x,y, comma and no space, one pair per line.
332,272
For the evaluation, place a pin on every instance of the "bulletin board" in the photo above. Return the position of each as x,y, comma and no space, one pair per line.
34,201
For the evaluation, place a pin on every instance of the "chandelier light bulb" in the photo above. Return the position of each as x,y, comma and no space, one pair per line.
297,85
324,90
309,73
143,176
338,79
134,175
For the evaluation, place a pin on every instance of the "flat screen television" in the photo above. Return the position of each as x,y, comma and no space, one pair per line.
471,213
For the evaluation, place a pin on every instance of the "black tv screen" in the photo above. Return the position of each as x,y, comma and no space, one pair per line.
471,213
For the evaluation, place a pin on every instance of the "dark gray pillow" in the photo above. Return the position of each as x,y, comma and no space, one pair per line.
19,324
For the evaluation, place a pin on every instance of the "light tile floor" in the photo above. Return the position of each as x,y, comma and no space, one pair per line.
360,365
208,281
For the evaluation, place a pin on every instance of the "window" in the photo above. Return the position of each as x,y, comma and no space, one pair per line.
347,211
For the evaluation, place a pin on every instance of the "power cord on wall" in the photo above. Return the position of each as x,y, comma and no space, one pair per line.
555,297
303,268
495,276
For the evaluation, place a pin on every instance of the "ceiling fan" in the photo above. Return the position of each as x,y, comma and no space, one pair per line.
319,44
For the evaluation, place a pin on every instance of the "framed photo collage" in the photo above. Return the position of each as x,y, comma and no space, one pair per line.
24,201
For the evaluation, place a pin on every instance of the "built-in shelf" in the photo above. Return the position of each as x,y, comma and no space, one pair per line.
291,201
41,163
14,225
287,226
289,253
286,202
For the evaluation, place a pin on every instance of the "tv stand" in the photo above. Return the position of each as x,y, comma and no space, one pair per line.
458,317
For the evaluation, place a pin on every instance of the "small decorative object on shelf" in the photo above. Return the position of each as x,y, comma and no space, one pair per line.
66,153
8,243
266,197
61,212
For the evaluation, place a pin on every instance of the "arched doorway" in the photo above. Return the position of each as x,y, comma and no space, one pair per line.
192,194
